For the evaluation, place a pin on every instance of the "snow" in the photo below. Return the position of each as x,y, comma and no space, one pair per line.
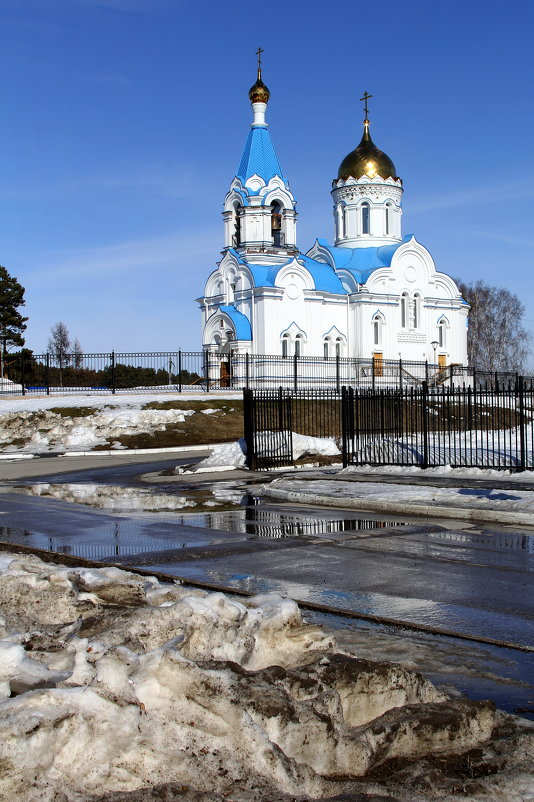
439,471
113,681
58,432
30,403
463,502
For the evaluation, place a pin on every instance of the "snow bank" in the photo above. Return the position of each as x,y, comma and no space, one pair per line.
111,497
113,681
52,431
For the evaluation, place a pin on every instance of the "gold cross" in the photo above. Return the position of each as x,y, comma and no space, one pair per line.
365,98
259,51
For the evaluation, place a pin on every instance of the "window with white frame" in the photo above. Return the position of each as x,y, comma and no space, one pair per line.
442,333
416,311
366,218
326,347
298,345
387,221
378,322
339,347
285,346
404,301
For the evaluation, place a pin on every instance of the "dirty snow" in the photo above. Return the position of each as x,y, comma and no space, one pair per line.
56,432
464,501
113,681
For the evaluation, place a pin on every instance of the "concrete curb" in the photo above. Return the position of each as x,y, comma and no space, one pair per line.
112,452
402,508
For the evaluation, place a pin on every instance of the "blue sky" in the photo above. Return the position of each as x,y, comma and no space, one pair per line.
124,121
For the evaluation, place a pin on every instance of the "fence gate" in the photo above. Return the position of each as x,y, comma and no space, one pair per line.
268,429
370,419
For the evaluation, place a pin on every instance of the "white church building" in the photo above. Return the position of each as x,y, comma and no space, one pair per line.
374,293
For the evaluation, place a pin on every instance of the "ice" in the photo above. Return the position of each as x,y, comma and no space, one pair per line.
126,683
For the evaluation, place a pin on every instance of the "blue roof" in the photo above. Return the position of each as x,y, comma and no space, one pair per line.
361,262
259,157
243,330
323,275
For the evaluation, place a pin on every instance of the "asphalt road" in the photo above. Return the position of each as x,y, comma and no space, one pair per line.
440,577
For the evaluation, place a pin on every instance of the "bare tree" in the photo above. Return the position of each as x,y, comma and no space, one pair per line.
78,354
59,346
497,339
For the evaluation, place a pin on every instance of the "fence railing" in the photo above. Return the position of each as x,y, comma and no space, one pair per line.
179,370
487,426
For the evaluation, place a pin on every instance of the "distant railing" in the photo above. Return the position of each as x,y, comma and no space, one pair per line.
178,371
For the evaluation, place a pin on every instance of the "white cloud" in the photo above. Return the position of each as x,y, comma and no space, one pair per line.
131,255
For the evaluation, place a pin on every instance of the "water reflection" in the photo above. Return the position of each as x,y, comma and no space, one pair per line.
126,537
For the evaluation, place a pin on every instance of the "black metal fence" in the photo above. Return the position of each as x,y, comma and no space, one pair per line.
160,371
487,426
175,371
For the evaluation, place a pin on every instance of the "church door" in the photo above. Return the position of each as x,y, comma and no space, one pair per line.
378,363
225,374
442,361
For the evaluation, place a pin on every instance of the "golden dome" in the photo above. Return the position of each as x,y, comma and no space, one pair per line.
259,92
366,160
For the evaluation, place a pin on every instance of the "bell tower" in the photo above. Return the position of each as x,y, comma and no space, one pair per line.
259,210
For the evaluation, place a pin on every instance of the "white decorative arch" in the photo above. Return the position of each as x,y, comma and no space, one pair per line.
218,326
291,271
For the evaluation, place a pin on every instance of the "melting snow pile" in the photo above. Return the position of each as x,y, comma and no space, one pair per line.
46,431
115,682
111,497
232,455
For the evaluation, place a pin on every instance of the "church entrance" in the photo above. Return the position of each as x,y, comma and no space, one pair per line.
378,363
224,374
442,361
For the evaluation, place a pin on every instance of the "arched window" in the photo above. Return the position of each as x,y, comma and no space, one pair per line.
378,322
276,223
442,333
285,346
339,346
236,238
366,214
298,345
326,347
387,222
345,221
404,310
416,311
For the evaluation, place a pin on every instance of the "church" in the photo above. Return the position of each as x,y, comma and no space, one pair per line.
374,293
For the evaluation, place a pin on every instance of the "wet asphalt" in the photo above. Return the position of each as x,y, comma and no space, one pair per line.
443,577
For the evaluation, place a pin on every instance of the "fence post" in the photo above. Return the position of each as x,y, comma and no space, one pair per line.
344,426
22,377
248,428
522,423
337,372
113,372
246,370
179,370
373,372
207,369
295,372
400,373
426,370
424,401
47,374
